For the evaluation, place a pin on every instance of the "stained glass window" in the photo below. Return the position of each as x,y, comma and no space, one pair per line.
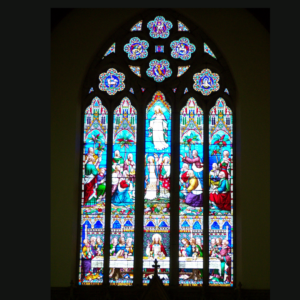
133,155
93,194
156,242
191,195
220,195
123,194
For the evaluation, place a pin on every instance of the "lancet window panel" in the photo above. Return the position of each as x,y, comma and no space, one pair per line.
156,240
93,194
191,195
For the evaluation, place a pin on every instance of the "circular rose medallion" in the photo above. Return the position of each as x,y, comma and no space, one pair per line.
159,70
159,27
112,81
206,82
182,48
136,48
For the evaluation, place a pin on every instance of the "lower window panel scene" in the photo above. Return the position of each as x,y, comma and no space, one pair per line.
157,194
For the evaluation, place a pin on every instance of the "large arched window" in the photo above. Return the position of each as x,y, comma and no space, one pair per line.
157,177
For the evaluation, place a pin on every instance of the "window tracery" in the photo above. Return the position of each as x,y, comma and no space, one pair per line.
150,155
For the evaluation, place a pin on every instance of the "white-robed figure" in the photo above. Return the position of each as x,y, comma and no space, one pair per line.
164,171
151,179
158,129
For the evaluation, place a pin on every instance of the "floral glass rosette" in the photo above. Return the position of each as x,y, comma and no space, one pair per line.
136,48
182,48
159,28
112,81
159,70
206,82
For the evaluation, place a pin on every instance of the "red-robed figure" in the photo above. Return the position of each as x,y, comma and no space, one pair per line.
220,194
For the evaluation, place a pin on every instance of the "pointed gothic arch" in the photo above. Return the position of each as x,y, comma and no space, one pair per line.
116,58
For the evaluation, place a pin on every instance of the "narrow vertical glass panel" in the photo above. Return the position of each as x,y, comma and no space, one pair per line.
93,194
182,27
182,70
156,241
191,195
159,49
111,49
186,90
136,70
220,195
137,26
123,194
208,51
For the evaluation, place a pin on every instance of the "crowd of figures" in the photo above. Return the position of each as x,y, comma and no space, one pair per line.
92,247
219,183
94,178
190,180
191,248
123,180
219,249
